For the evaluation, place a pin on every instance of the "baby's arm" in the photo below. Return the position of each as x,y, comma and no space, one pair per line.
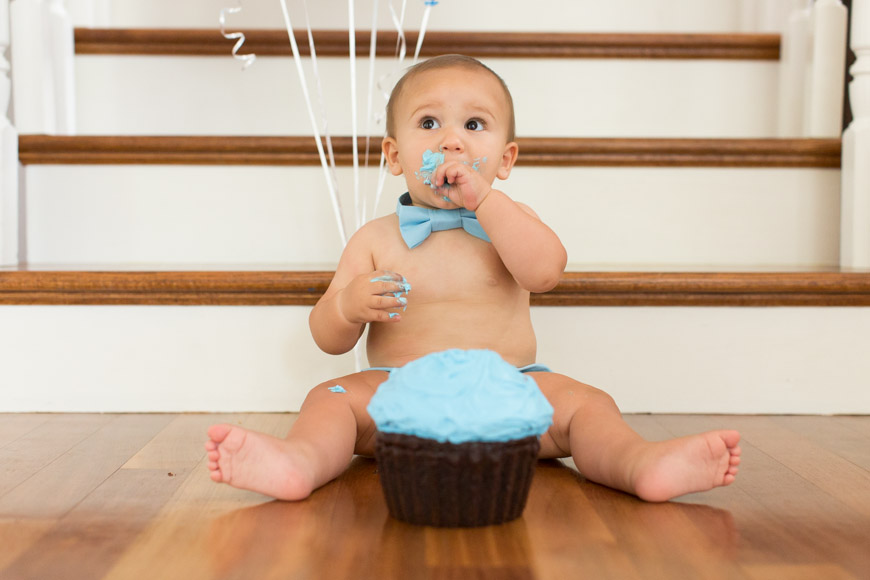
530,250
356,296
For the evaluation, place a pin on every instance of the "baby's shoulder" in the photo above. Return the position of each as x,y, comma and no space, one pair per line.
377,227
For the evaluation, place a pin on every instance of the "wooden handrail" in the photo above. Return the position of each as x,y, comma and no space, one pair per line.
210,42
545,151
304,288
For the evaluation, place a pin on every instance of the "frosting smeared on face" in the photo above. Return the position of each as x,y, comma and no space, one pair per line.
431,161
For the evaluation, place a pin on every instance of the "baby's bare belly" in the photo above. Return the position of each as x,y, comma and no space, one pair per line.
435,327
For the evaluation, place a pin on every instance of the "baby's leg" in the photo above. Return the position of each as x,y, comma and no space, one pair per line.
331,427
588,426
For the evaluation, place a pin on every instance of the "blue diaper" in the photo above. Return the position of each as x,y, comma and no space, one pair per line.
532,368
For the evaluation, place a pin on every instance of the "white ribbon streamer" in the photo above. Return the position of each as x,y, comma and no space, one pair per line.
401,52
247,59
353,116
373,48
423,24
336,204
324,118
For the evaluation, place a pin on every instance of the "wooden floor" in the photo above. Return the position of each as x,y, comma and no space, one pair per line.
128,496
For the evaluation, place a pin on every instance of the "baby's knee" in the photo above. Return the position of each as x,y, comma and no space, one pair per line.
333,390
568,395
352,391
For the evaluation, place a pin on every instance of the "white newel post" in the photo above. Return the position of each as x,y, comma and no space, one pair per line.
855,171
8,155
43,93
824,97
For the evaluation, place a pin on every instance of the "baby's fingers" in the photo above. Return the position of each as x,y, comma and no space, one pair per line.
388,301
390,283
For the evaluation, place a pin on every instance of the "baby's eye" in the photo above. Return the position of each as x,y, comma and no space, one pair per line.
429,123
474,125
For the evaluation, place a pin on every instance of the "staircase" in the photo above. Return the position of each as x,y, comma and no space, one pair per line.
704,267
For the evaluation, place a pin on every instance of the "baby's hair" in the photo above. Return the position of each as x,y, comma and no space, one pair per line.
442,62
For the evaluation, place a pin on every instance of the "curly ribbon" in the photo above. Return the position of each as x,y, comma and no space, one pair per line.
247,59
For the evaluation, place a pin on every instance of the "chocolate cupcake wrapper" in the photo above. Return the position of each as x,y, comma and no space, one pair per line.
455,485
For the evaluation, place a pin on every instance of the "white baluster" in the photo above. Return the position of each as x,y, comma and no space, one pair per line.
8,155
793,64
748,15
42,65
62,37
855,171
773,15
824,97
90,13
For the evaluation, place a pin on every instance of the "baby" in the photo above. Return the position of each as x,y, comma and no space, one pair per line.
462,280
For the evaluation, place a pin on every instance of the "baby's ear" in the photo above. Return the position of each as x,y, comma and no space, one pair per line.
391,153
508,158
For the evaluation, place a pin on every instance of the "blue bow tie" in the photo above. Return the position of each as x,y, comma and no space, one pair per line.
416,223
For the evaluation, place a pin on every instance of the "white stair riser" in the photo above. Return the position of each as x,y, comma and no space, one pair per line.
613,217
498,15
553,97
692,360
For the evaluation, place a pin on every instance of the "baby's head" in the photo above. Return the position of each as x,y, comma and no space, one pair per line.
447,110
439,65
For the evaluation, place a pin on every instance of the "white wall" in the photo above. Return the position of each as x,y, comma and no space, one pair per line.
585,97
163,358
608,218
550,15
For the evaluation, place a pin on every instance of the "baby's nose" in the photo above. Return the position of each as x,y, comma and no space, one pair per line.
451,142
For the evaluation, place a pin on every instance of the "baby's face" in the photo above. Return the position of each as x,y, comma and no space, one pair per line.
458,112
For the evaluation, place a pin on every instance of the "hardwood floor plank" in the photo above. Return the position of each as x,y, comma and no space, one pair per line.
672,539
859,423
28,454
14,426
568,538
799,572
648,427
179,446
180,542
129,516
839,435
840,478
57,488
782,517
17,536
86,542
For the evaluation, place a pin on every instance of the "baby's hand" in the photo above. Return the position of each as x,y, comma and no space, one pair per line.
461,184
374,297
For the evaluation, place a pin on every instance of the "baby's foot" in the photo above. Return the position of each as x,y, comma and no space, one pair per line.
257,462
668,469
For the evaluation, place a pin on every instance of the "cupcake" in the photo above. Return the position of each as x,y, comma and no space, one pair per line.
458,438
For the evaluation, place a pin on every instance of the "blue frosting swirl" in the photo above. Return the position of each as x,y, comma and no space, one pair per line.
461,395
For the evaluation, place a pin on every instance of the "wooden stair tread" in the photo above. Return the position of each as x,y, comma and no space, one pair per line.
21,286
274,42
538,151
